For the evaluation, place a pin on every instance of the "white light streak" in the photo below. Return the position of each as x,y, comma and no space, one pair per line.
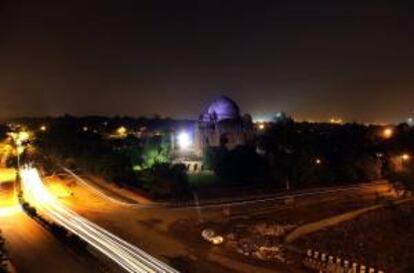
128,256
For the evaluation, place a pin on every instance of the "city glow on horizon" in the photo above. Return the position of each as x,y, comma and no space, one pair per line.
336,121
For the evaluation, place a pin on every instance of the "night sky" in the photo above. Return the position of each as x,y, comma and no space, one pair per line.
311,59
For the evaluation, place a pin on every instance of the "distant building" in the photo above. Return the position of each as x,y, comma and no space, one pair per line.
222,124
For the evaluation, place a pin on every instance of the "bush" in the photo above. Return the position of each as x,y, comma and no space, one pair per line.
166,181
58,231
241,165
31,211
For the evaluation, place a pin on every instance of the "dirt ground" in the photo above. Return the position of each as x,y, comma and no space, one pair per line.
383,239
244,235
150,229
174,234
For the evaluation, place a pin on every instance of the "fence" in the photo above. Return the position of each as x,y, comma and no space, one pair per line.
322,263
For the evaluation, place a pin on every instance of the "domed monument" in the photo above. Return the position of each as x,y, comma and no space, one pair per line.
221,108
221,124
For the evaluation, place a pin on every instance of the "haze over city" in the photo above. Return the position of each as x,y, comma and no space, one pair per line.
314,60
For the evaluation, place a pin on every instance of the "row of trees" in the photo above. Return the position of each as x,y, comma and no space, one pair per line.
67,143
151,160
131,161
307,155
285,154
299,155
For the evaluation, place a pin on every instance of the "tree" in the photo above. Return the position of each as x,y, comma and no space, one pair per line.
164,180
65,141
156,150
241,165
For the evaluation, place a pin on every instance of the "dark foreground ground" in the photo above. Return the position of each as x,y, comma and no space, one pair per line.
383,239
173,235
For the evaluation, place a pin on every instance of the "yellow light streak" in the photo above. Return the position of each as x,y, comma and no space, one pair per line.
128,256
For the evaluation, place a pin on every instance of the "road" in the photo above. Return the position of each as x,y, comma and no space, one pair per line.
151,227
379,187
32,248
129,257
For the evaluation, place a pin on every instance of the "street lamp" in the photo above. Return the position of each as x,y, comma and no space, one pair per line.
262,126
121,131
19,139
405,157
387,133
184,140
19,150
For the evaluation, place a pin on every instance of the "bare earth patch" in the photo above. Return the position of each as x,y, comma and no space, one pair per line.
383,239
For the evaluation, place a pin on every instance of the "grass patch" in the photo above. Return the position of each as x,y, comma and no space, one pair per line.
201,179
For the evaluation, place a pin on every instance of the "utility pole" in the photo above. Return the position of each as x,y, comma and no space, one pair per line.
287,184
198,208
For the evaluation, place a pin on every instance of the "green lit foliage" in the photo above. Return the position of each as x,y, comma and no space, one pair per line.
156,150
209,158
145,153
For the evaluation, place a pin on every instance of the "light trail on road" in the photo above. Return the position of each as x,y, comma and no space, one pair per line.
101,193
128,256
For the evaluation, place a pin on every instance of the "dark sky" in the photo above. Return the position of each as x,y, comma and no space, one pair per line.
312,59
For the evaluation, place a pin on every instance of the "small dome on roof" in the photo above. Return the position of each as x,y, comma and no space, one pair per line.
220,109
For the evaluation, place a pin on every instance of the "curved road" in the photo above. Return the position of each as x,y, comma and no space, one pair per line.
129,257
380,186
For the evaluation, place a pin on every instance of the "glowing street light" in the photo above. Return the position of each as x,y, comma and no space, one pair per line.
410,121
43,128
261,126
184,140
318,161
19,139
121,131
20,149
387,133
405,157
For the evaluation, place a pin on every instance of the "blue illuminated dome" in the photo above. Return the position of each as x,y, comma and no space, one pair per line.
221,108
